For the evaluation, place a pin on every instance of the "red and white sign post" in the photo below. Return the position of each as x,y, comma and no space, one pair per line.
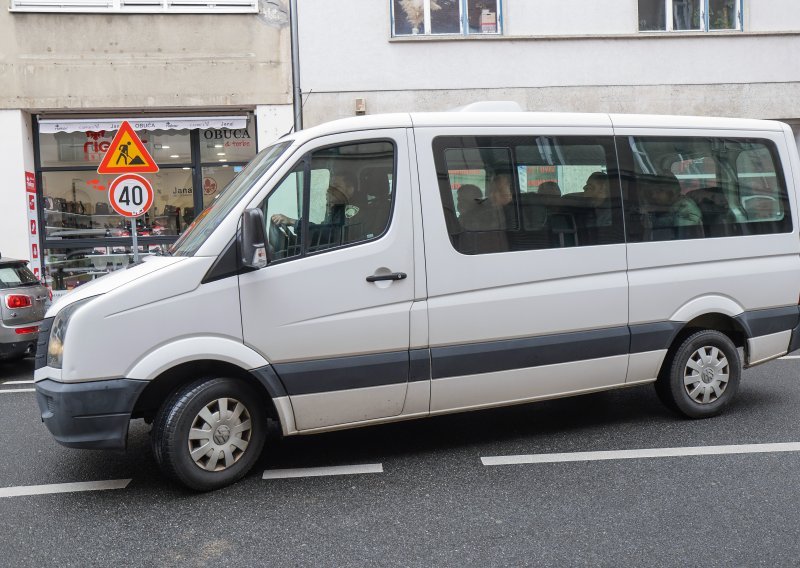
131,195
33,221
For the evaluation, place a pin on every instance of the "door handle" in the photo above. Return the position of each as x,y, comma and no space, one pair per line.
392,276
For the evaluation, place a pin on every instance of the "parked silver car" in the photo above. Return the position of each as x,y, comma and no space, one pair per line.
23,302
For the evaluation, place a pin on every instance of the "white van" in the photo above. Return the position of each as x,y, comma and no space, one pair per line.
391,267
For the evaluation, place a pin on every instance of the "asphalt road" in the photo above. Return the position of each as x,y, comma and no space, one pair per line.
435,504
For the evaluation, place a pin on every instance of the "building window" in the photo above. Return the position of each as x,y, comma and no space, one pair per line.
440,17
138,6
690,15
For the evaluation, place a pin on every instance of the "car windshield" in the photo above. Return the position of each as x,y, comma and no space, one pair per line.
16,275
205,223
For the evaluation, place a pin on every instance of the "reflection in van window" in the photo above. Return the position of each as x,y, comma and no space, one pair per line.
692,187
521,193
348,190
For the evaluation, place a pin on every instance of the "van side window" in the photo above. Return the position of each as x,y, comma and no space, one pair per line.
693,187
526,193
335,196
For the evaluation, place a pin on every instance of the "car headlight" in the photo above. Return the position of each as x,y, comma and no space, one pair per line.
55,345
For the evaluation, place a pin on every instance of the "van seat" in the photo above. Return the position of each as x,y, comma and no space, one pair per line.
718,218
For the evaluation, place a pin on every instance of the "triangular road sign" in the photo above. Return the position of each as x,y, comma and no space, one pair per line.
127,154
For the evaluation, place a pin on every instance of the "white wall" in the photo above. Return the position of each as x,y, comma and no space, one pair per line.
16,156
570,17
771,15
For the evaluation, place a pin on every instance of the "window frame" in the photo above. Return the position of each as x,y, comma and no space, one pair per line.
439,147
306,160
705,19
463,22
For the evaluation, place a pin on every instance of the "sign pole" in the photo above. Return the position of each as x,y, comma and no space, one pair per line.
134,234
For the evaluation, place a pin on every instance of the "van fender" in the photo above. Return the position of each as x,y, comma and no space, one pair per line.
707,305
190,349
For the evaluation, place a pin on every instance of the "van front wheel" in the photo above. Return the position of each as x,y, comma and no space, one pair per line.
209,433
702,376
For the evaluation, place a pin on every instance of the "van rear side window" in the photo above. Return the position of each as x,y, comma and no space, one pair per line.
526,193
701,187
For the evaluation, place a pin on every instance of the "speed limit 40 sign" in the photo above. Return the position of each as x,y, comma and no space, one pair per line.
130,195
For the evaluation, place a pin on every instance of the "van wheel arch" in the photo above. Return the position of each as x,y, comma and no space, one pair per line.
714,322
164,385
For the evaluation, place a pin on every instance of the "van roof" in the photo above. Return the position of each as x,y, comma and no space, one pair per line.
532,119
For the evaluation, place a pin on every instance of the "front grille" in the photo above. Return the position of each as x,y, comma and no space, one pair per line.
41,343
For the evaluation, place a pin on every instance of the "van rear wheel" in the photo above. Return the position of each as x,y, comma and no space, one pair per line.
702,375
210,433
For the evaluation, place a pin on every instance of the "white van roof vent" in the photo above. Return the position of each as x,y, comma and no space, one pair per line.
490,106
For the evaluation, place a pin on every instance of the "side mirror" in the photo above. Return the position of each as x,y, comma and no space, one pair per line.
252,239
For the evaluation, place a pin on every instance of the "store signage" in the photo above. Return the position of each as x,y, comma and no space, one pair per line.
130,195
50,126
33,221
127,154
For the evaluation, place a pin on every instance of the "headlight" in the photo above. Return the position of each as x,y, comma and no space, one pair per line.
55,346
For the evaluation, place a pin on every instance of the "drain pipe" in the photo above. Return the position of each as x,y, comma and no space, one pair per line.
297,93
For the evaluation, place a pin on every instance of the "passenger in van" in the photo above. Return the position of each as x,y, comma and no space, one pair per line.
595,200
668,214
549,188
495,213
342,216
469,201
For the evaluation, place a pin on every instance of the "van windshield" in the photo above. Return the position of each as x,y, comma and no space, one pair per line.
205,223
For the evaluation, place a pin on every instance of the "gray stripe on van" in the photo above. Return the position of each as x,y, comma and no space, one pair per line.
493,356
768,321
344,373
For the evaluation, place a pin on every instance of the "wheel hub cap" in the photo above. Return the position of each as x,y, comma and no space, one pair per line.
219,434
706,375
222,434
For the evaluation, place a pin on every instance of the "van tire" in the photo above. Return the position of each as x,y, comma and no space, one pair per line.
700,378
233,415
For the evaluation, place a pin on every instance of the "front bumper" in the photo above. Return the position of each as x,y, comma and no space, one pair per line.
91,415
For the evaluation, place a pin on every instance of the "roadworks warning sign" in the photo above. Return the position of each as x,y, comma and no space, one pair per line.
127,154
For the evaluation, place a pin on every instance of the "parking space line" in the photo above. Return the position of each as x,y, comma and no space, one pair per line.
323,471
790,357
17,382
643,453
23,490
3,391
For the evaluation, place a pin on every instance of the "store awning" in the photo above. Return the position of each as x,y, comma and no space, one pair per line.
52,125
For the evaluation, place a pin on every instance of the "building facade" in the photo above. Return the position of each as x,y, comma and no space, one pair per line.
732,58
204,85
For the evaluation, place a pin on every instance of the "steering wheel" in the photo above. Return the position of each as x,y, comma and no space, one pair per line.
280,238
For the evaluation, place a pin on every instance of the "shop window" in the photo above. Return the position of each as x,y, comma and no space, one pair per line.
69,267
138,6
228,145
690,15
62,149
76,205
215,179
438,17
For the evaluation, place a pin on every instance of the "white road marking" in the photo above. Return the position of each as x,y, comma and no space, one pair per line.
790,357
3,391
17,382
63,487
322,471
645,453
